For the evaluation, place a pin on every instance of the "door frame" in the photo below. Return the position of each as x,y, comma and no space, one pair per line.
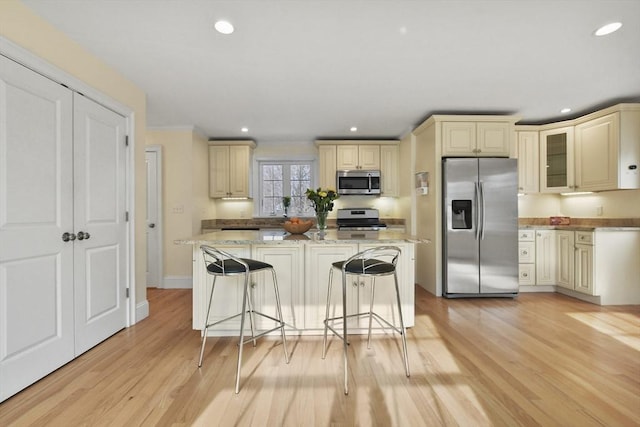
156,148
28,59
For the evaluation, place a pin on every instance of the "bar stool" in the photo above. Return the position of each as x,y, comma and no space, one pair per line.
219,263
374,262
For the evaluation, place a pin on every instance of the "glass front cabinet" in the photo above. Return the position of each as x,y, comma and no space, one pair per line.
556,161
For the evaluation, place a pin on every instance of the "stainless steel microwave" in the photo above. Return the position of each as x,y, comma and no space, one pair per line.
365,182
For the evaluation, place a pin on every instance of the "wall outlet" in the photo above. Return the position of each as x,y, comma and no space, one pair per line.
177,209
599,210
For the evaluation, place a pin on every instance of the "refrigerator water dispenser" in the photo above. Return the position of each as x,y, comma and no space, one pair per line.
461,215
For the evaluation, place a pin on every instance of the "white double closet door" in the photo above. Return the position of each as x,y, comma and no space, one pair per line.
62,170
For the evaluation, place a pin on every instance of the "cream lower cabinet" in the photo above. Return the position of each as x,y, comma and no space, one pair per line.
565,253
545,257
526,258
575,260
303,275
584,268
385,295
227,297
289,266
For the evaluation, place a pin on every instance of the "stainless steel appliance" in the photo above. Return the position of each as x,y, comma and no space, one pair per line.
359,219
480,233
365,182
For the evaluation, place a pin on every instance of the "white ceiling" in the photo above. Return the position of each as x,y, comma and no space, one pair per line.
301,70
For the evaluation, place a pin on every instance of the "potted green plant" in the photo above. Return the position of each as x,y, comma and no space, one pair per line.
286,202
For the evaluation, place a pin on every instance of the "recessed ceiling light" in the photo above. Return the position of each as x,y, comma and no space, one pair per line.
565,110
608,29
245,129
353,129
224,27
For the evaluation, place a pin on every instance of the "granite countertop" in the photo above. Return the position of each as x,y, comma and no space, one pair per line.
275,223
582,224
312,237
576,228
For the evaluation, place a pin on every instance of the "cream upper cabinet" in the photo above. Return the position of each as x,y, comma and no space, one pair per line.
488,139
390,170
327,166
383,155
596,154
607,151
229,170
528,162
366,157
556,160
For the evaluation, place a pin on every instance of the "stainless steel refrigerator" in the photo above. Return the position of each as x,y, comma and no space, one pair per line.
480,232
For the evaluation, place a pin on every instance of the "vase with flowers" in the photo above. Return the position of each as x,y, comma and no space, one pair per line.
322,200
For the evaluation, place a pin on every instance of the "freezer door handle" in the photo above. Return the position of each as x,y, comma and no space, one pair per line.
478,209
482,211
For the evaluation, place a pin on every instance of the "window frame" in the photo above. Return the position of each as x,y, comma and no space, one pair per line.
258,196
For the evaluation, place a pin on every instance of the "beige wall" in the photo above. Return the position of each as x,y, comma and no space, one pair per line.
19,25
615,204
184,194
428,218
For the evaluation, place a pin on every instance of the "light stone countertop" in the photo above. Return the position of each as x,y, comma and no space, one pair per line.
576,228
235,237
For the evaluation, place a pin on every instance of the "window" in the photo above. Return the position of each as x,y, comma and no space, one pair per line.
284,178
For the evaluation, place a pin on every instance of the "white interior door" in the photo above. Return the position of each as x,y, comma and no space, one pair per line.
154,252
100,216
36,203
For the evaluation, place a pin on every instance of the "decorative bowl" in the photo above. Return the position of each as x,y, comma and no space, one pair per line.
297,227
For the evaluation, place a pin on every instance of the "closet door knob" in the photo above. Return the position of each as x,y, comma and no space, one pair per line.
68,236
82,235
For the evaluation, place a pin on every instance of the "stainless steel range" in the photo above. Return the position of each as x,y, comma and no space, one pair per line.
359,219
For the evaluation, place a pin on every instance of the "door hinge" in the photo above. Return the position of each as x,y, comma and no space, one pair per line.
126,140
126,216
127,293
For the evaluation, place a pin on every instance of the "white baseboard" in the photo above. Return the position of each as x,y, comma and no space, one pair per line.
177,282
579,295
142,310
537,288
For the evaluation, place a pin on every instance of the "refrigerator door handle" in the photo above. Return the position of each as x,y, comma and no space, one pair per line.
482,210
478,210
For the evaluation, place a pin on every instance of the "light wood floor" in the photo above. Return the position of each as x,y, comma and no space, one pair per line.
541,359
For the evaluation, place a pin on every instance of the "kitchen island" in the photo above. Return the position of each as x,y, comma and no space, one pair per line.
302,264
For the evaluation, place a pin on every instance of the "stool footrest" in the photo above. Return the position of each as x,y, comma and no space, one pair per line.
375,315
266,316
261,334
